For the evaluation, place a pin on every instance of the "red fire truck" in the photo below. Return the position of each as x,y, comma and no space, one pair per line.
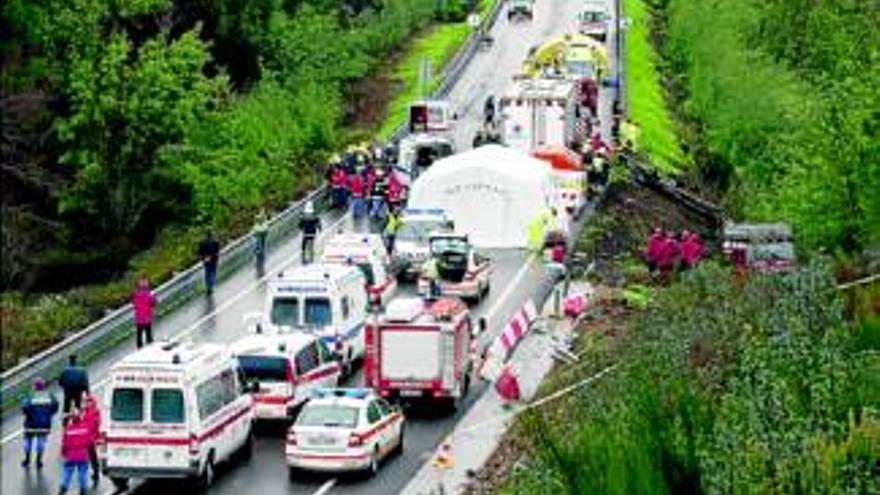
421,351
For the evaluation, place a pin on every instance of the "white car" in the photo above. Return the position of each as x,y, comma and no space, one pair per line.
344,430
411,242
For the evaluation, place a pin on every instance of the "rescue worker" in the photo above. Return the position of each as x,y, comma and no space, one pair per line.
392,225
489,112
92,416
260,232
669,254
356,189
654,249
378,189
209,252
143,302
394,194
309,226
75,451
338,183
691,249
73,382
431,272
38,409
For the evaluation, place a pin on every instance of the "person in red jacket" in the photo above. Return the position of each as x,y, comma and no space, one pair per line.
143,301
92,416
75,442
394,193
654,249
338,182
356,188
691,249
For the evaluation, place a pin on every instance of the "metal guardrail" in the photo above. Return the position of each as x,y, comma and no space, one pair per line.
118,324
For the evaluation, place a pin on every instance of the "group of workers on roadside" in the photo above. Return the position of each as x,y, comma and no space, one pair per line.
80,425
364,179
666,252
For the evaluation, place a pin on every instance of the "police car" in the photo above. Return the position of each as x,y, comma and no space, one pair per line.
411,247
344,430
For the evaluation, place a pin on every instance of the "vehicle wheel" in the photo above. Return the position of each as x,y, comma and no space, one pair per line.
292,473
121,484
373,468
206,478
398,449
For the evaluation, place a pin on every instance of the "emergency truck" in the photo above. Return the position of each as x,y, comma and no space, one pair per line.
537,113
369,254
175,411
283,370
461,271
328,301
421,351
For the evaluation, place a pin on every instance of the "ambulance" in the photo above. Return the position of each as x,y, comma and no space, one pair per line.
283,370
537,113
328,301
368,253
421,351
175,411
461,270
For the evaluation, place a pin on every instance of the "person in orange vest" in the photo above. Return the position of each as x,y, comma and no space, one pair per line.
75,443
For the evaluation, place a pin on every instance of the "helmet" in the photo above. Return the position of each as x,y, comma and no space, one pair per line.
310,207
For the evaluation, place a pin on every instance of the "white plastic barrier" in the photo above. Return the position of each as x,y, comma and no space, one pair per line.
500,349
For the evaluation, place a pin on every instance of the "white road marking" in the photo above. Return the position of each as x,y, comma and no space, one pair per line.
326,487
229,302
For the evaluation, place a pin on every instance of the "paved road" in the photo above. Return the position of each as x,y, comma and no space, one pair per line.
219,319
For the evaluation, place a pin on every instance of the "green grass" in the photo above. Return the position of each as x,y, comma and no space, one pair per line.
647,106
437,44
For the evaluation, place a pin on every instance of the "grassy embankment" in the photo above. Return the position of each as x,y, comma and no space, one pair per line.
646,104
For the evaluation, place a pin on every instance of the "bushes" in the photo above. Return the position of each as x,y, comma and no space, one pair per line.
724,388
786,111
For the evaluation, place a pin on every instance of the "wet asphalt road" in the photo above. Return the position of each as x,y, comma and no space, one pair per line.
219,318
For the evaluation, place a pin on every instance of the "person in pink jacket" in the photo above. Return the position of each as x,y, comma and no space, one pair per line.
75,441
143,301
691,249
654,249
92,416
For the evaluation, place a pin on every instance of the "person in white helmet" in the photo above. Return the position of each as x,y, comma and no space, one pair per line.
309,226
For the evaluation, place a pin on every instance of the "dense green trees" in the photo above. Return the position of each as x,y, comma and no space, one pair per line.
783,97
123,117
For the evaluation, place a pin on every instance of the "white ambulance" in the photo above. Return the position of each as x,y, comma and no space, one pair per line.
368,253
537,113
421,351
175,411
283,369
328,301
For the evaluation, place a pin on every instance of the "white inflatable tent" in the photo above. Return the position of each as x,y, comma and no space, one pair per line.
492,193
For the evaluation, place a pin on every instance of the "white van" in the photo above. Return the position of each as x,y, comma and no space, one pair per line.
175,410
367,252
285,369
328,301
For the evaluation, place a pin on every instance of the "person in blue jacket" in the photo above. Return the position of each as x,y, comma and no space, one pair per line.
38,409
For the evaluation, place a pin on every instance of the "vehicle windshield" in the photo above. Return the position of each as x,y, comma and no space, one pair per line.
167,406
449,245
329,416
581,68
317,312
418,230
263,368
285,311
593,17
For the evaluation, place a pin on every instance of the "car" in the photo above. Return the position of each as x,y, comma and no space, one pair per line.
462,272
344,429
411,241
593,21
